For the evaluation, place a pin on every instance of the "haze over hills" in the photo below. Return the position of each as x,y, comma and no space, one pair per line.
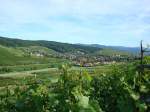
133,50
120,48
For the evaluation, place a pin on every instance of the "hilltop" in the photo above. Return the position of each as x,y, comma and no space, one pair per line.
56,46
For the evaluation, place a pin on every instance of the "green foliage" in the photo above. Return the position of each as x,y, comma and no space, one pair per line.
73,92
70,93
147,59
122,90
35,99
5,70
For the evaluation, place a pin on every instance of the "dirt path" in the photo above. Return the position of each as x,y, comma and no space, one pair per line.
25,73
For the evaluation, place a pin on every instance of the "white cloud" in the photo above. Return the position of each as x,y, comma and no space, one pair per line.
90,18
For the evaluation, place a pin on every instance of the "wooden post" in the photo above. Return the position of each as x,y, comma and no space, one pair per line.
142,53
141,70
142,66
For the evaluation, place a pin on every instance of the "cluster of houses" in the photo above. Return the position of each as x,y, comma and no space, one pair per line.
80,58
37,53
89,61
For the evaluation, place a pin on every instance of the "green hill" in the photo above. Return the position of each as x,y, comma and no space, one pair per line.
17,56
113,52
56,46
38,49
23,52
6,56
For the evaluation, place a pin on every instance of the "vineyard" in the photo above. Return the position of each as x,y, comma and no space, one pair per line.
74,56
123,89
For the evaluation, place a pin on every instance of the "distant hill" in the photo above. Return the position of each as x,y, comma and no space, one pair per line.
17,51
56,46
114,52
130,50
121,48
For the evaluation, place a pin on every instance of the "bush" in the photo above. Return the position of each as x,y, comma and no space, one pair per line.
5,70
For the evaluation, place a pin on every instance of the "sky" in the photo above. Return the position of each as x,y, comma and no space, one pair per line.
106,22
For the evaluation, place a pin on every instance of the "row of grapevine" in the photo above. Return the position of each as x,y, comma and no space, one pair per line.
122,90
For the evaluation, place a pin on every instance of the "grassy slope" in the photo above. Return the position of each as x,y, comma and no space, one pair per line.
38,48
15,56
7,56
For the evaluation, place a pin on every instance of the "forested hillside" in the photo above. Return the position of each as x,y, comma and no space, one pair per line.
59,47
17,51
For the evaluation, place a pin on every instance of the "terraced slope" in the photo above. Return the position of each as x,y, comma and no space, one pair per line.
19,56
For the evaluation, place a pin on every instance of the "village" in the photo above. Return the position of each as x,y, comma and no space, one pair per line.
80,58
